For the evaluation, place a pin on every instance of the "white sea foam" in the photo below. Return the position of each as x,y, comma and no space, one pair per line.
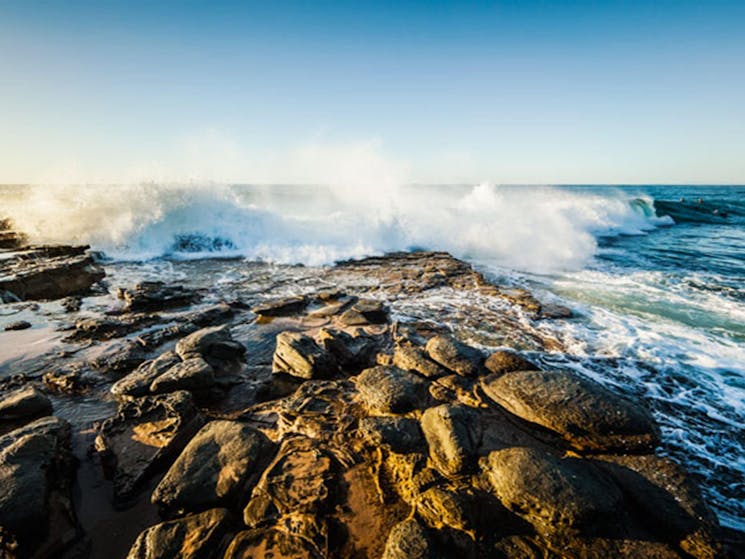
537,229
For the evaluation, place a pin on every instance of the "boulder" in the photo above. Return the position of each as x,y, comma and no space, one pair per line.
270,543
285,306
364,313
41,273
143,437
198,536
455,356
399,434
409,540
150,296
193,374
413,358
218,466
505,361
17,325
444,507
298,355
120,357
554,494
37,470
391,390
588,416
453,434
352,352
214,342
137,383
23,405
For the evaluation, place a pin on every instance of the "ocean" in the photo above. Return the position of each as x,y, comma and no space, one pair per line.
655,275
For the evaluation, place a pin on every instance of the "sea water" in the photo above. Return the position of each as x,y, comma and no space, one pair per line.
654,274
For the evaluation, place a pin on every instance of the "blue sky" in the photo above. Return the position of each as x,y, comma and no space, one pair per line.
518,92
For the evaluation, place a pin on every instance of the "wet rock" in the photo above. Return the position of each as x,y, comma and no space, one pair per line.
555,311
98,328
365,312
10,240
137,383
455,356
505,361
18,325
66,381
669,500
588,416
298,355
42,273
413,358
409,540
120,357
144,436
198,536
23,405
352,352
36,474
286,306
453,434
391,390
151,296
554,494
218,466
215,344
193,374
71,304
399,434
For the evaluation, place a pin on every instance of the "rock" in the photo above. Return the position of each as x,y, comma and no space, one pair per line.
198,536
137,383
49,273
365,312
587,415
670,501
409,540
214,344
391,390
554,494
399,434
455,356
270,543
281,307
298,355
453,434
440,507
504,361
23,405
18,325
120,357
145,435
66,381
10,240
151,296
37,469
219,466
351,352
193,374
412,358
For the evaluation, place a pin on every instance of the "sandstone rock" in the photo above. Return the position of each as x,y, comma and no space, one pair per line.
298,355
409,540
145,435
588,416
270,542
120,357
49,273
67,381
365,312
18,325
554,494
452,434
442,507
214,344
413,358
399,434
198,536
193,374
23,405
37,469
503,361
285,306
455,356
137,383
151,296
351,352
217,467
391,390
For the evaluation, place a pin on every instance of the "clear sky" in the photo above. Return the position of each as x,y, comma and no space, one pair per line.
517,92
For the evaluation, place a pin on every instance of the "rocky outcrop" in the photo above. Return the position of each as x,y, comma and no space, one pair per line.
150,296
285,306
391,390
23,405
452,433
455,356
52,272
505,361
300,356
218,467
193,374
587,415
36,475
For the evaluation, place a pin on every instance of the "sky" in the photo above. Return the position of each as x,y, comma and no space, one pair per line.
431,91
